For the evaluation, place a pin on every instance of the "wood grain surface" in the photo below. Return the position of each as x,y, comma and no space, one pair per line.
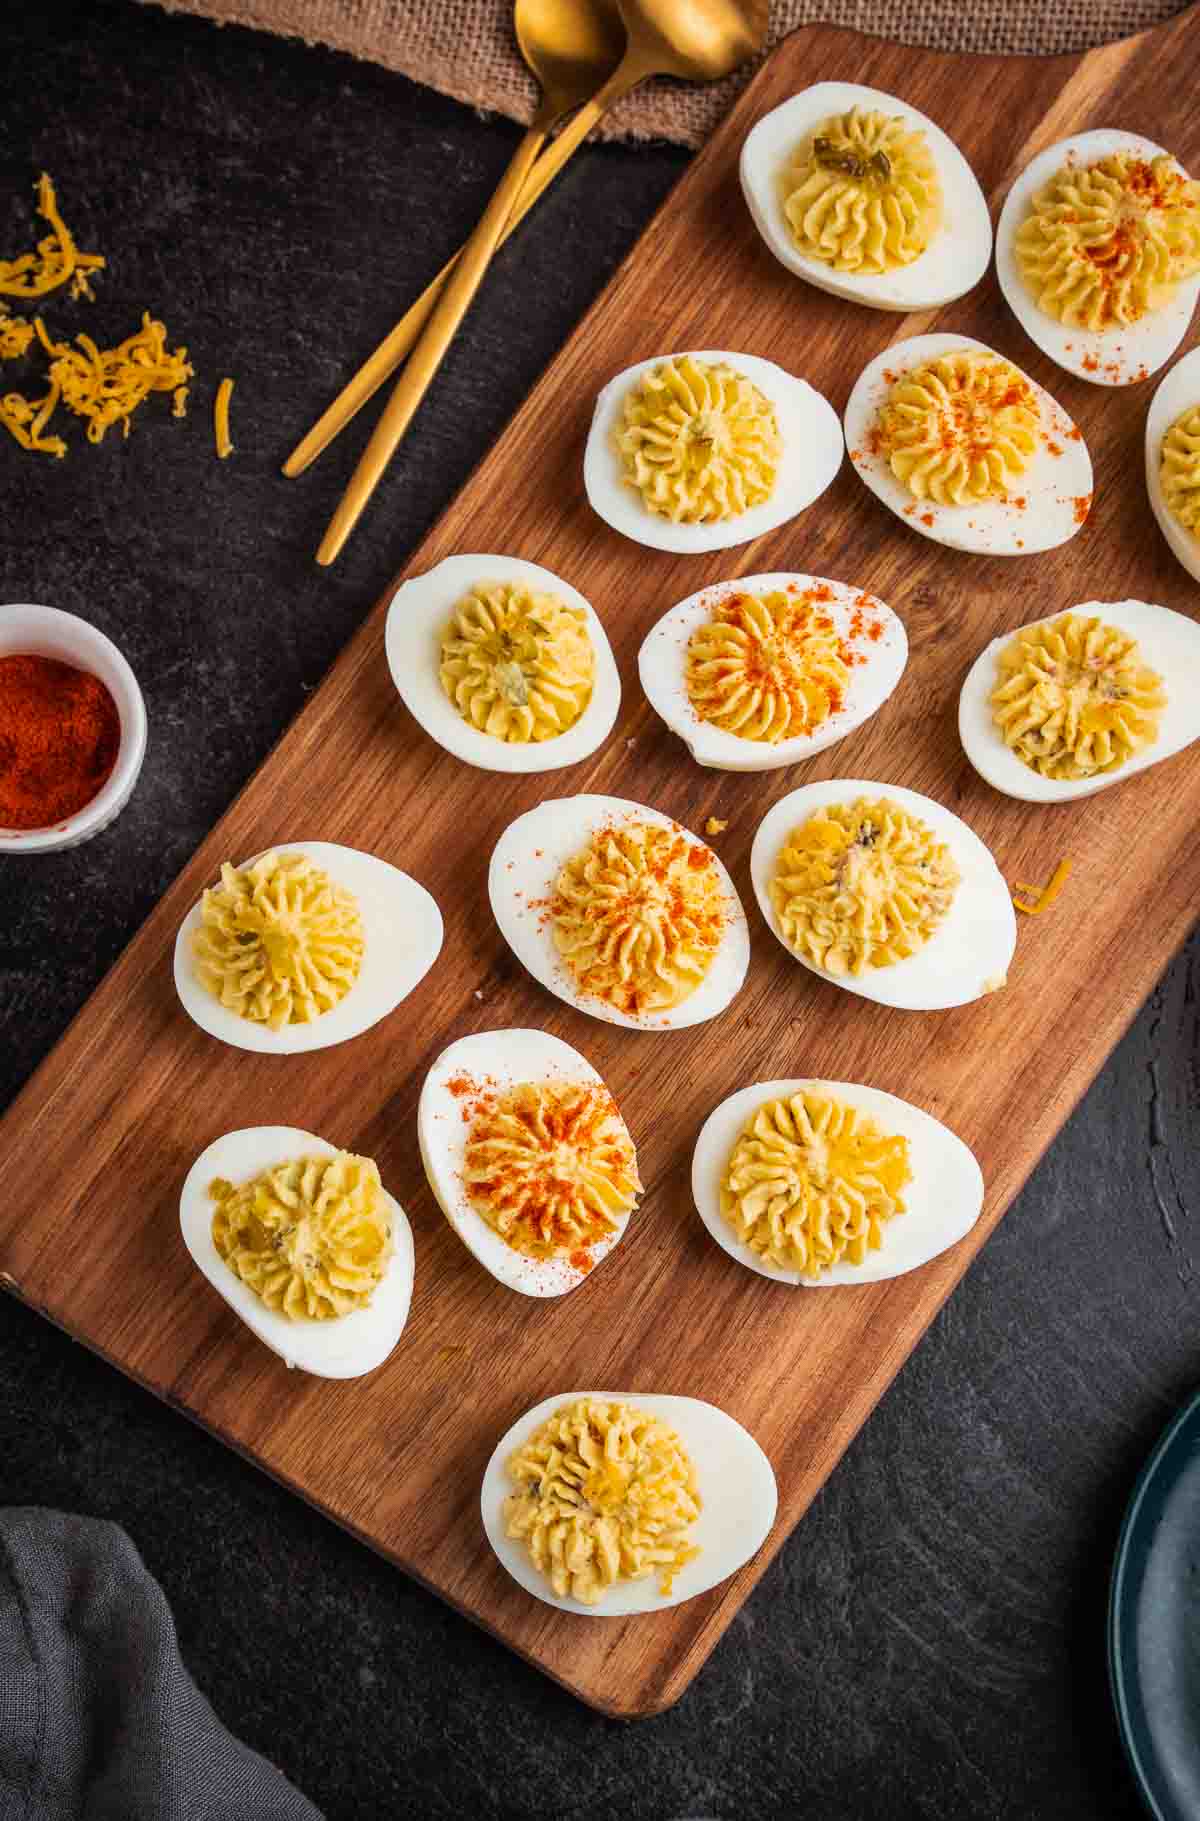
99,1142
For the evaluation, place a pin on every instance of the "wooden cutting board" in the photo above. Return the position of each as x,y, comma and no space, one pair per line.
97,1145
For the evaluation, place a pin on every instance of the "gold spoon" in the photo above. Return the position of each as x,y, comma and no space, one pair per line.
561,41
696,40
599,43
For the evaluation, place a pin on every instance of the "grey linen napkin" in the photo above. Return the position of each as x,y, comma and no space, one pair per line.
99,1719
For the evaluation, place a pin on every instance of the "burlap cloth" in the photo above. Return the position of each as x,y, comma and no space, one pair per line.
466,48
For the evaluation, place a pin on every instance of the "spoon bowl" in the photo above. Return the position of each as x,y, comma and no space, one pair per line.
570,46
697,40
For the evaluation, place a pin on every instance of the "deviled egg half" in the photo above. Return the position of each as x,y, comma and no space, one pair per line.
528,1156
502,663
865,196
1068,705
700,451
821,1183
1173,460
304,946
305,1245
1098,254
611,1503
767,670
963,446
883,891
621,912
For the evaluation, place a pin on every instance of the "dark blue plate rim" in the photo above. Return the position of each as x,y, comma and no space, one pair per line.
1123,1680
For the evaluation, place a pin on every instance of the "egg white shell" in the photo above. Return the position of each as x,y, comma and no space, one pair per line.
954,261
1119,356
524,868
974,943
738,1495
418,615
942,1202
662,666
1177,392
344,1347
1170,644
812,455
402,929
1051,484
502,1060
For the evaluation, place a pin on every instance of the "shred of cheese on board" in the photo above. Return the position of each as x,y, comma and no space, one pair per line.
1043,895
56,261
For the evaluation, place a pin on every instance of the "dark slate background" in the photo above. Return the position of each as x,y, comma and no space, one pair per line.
931,1641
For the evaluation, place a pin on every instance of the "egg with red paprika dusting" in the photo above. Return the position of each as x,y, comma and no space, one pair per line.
619,910
767,670
1098,254
967,449
528,1156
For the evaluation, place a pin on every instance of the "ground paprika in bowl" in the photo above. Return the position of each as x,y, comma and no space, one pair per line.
72,729
59,735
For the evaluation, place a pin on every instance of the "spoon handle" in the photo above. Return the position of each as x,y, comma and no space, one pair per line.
427,357
396,344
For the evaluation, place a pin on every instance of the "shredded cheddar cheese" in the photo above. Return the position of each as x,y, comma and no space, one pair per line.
1043,895
15,336
221,418
57,260
105,386
26,418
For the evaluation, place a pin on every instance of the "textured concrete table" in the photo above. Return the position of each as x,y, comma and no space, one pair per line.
931,1641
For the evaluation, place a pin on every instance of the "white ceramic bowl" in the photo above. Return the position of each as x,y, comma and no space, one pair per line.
49,633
